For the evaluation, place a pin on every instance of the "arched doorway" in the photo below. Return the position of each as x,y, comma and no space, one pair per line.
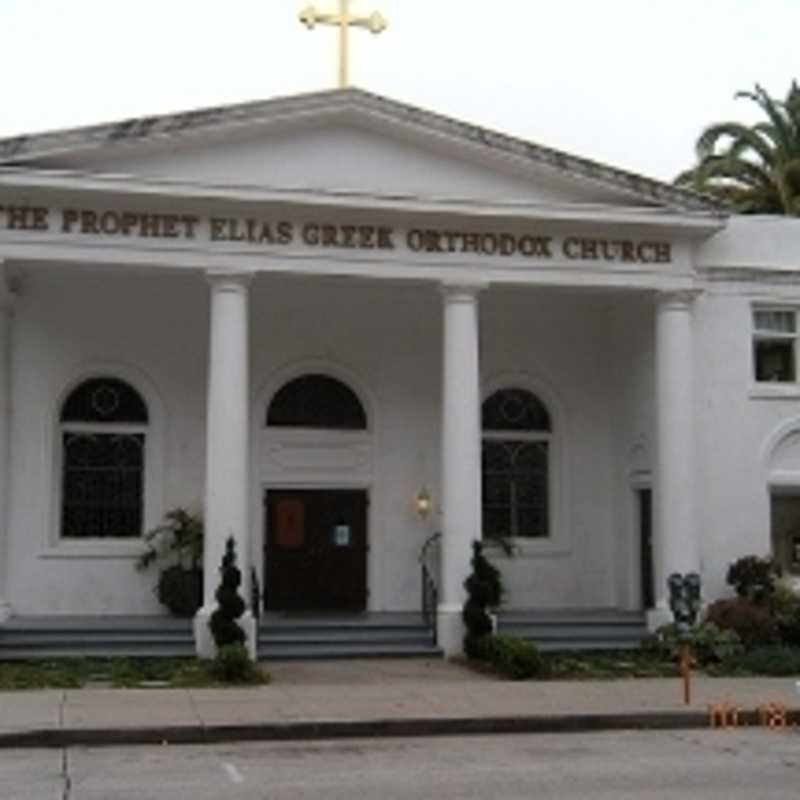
316,538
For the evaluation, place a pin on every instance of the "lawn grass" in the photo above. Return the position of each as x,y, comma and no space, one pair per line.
609,664
76,673
589,665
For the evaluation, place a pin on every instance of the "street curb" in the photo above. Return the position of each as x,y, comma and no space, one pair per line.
372,729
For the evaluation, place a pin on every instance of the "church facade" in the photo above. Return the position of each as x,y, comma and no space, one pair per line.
336,325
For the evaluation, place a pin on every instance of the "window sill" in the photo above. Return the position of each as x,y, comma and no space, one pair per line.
123,549
774,391
528,548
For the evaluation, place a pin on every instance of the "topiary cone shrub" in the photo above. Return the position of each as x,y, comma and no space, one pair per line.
513,657
484,590
230,605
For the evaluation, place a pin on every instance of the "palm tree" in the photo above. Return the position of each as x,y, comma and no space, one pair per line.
756,168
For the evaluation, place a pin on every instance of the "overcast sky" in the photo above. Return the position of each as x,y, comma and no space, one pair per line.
627,82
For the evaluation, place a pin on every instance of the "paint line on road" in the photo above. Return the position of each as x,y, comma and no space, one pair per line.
233,773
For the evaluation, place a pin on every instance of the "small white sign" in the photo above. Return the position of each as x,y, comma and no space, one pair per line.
341,536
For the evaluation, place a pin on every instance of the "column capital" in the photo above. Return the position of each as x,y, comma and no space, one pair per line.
225,280
463,291
677,299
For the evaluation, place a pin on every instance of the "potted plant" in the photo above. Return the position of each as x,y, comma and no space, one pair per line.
177,547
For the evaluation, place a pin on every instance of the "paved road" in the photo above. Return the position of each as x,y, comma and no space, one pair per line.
707,765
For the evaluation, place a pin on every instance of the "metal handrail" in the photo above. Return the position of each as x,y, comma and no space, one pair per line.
255,593
429,584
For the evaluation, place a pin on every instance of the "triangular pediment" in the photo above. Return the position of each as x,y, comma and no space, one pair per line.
345,141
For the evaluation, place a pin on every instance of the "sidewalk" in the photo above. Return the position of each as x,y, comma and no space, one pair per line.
309,700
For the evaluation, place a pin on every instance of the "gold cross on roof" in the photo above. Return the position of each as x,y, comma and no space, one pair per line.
374,23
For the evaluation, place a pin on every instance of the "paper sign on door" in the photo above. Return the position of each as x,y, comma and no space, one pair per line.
290,528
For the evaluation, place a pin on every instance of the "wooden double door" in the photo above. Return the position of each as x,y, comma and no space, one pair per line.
316,550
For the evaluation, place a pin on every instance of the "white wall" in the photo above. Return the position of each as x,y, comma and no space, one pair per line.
558,343
739,421
69,325
386,340
630,355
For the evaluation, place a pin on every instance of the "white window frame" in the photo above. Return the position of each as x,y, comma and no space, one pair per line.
790,567
528,437
769,335
558,543
55,546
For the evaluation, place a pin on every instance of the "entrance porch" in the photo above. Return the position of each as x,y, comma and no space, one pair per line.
307,636
591,360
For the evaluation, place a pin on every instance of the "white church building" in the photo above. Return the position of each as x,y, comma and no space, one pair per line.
310,317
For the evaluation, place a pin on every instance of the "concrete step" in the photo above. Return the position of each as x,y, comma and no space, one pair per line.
334,622
336,634
348,650
14,637
344,636
571,643
279,636
42,653
577,631
571,629
113,624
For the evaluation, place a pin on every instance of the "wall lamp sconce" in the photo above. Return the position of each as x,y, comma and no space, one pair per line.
423,503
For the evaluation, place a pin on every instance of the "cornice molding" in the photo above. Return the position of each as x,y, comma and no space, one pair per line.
691,224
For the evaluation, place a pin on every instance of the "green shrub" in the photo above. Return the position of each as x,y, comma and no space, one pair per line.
515,658
709,643
773,660
233,665
224,628
752,622
484,590
753,577
478,647
785,604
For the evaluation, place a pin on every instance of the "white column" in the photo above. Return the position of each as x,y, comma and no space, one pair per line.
227,457
6,301
461,458
676,542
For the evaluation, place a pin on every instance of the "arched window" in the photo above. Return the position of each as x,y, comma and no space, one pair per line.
317,401
516,442
103,435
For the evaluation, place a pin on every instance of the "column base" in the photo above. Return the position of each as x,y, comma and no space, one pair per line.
450,631
204,644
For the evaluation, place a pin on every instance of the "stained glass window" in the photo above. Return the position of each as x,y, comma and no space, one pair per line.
514,410
515,465
317,401
103,429
104,400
